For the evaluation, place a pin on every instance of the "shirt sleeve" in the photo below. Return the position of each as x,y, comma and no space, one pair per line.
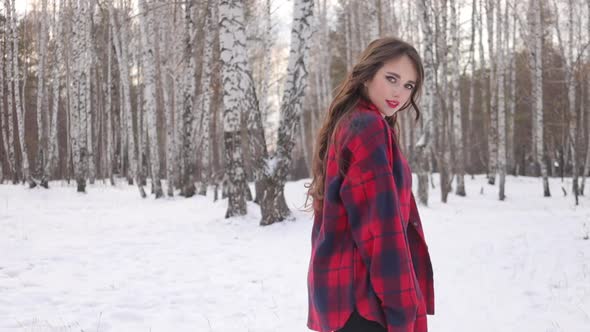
370,197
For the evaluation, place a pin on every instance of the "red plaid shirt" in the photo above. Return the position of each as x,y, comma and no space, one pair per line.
368,247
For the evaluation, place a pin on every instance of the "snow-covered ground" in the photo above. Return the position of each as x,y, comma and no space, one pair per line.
111,261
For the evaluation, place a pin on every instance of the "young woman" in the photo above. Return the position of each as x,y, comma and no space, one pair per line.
369,269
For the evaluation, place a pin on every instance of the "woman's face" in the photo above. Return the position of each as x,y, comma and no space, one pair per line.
392,85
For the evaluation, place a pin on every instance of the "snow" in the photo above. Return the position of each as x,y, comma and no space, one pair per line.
111,261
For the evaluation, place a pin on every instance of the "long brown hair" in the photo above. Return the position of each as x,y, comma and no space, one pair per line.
349,93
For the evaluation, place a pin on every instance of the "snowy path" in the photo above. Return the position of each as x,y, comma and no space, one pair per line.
110,261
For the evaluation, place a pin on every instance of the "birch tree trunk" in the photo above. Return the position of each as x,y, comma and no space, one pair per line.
501,103
67,40
257,142
122,51
585,108
348,38
538,93
493,87
52,143
2,108
79,89
484,76
109,102
424,143
149,90
233,59
586,171
511,121
10,98
20,111
567,54
372,21
89,121
187,184
326,56
41,125
272,204
211,30
471,104
169,74
178,108
139,113
456,101
445,132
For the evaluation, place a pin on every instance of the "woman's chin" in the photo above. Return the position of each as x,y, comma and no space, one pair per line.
388,112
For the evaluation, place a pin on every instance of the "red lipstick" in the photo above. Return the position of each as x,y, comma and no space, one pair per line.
392,103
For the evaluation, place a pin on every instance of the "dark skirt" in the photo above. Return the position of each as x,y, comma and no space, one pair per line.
357,323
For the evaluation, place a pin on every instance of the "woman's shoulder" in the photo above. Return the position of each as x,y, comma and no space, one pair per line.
362,127
364,119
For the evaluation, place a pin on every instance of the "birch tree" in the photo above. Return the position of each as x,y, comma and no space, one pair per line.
233,59
108,91
493,86
501,102
272,204
372,20
348,37
571,62
511,111
320,81
41,112
425,144
120,40
80,89
211,29
536,27
471,103
3,128
170,59
188,100
456,102
484,73
14,93
91,105
443,121
57,31
149,91
586,171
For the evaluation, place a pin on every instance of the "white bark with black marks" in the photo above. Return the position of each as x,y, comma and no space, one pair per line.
372,20
537,94
500,54
120,40
425,142
234,59
272,204
187,185
211,30
15,82
571,63
41,111
148,60
52,144
3,128
586,109
456,101
493,88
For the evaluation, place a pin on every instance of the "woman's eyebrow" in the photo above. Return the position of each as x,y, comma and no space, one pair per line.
398,77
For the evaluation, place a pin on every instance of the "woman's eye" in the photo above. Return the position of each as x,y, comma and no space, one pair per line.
409,86
391,79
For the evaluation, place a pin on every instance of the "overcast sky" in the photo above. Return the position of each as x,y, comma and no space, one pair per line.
21,5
